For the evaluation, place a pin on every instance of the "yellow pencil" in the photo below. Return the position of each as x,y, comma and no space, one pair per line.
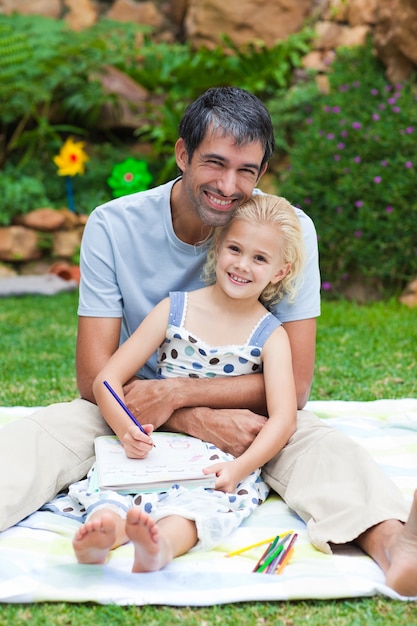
253,545
259,543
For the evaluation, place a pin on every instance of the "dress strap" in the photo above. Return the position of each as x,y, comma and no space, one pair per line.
264,329
176,310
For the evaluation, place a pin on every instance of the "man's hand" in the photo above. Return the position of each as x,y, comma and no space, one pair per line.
151,401
231,430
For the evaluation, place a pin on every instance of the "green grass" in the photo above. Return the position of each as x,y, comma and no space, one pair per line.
363,353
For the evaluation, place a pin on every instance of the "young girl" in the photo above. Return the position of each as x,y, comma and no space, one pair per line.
224,329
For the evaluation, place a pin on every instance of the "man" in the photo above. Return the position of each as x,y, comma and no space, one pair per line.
138,248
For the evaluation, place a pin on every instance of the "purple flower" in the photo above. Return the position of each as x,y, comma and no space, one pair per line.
307,200
357,159
339,210
377,179
330,136
359,203
381,106
340,146
408,164
327,109
391,100
344,88
356,125
344,133
358,234
374,92
326,286
388,87
336,109
384,163
389,209
409,130
336,157
396,109
356,84
309,120
375,117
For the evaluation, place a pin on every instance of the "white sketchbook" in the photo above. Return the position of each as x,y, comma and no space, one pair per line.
176,458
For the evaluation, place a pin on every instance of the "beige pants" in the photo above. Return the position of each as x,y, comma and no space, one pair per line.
328,480
42,454
332,483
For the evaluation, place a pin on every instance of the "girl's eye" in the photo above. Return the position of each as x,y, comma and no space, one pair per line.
261,259
234,248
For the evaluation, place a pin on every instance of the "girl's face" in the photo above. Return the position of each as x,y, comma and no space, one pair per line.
249,258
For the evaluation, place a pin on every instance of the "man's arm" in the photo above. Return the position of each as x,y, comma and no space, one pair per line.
302,336
97,339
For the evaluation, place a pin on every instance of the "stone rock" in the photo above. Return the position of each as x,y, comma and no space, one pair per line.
395,37
145,13
6,271
44,219
82,14
66,243
131,97
18,243
361,12
355,36
409,297
336,11
48,8
243,20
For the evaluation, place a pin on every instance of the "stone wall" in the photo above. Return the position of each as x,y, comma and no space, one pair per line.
392,23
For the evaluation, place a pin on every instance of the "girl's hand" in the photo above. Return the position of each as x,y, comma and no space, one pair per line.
227,477
136,444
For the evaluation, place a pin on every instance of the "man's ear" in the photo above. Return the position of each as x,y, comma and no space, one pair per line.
181,154
262,172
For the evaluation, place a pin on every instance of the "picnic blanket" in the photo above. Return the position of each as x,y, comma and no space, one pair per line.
37,562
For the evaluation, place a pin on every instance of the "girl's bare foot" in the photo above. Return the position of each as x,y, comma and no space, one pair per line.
401,574
150,549
94,539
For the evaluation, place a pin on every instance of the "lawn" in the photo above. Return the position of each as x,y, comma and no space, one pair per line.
364,352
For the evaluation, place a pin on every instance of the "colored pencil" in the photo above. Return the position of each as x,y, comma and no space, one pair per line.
286,554
253,545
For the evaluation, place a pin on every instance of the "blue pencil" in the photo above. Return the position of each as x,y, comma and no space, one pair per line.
124,407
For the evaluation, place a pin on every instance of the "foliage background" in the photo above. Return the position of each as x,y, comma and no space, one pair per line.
347,157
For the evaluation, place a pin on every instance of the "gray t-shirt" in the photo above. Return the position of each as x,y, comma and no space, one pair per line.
131,259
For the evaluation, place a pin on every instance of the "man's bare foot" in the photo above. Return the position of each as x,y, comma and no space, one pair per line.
401,574
150,549
94,539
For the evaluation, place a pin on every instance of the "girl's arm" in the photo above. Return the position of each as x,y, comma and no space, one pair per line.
120,368
282,411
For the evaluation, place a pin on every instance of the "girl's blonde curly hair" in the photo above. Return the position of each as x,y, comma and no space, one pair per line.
277,213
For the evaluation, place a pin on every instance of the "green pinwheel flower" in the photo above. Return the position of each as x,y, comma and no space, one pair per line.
128,177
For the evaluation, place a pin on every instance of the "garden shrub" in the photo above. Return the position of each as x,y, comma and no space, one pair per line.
353,170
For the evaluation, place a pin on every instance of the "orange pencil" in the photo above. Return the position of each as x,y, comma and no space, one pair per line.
286,554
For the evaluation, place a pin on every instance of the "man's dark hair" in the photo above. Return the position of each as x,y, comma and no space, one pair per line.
229,111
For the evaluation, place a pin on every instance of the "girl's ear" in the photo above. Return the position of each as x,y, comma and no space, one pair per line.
281,273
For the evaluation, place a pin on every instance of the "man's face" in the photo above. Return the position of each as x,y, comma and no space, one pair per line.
220,176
